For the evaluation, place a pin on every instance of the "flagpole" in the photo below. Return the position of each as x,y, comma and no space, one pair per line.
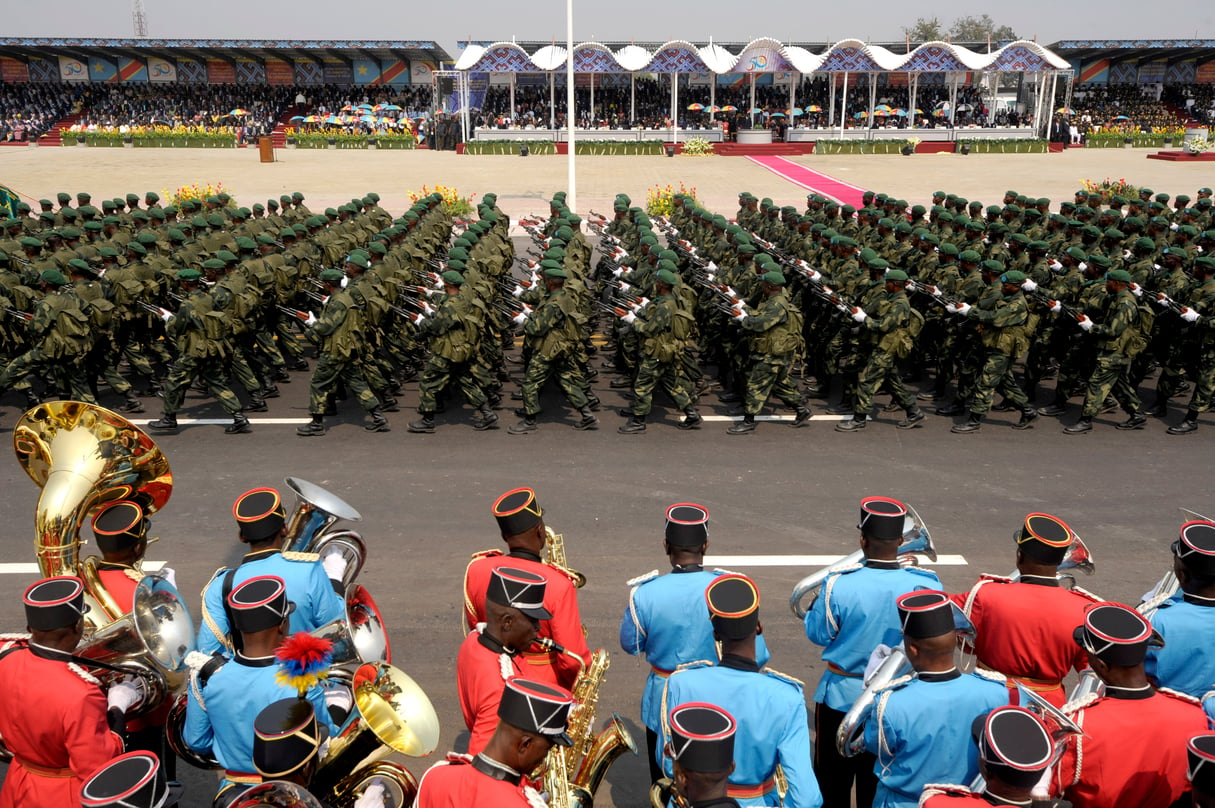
571,194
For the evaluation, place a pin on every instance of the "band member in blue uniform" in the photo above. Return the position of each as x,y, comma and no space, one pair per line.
667,618
770,708
854,613
1186,621
313,584
226,696
701,749
918,726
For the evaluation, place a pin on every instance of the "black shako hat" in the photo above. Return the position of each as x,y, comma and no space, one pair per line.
520,590
259,603
733,601
1200,752
517,511
702,737
119,526
926,613
537,707
260,514
882,518
687,525
286,735
1196,548
1014,744
1116,634
133,780
1045,538
54,603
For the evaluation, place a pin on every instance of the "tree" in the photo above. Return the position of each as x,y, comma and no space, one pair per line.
925,29
978,29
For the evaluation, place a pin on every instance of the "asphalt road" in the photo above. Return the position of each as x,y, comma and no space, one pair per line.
425,501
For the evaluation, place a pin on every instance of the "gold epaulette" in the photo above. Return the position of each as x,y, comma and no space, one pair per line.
292,555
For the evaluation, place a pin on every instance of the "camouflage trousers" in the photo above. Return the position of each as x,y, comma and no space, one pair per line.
769,376
438,373
568,374
210,370
1203,373
102,360
667,375
996,374
1110,373
329,371
881,367
65,373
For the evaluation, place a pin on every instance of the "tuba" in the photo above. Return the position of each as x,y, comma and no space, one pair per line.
554,556
83,456
1168,585
279,793
359,637
392,714
916,539
1058,724
1077,557
308,529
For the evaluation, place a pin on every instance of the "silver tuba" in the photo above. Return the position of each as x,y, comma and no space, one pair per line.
308,529
1078,557
916,539
1168,585
360,636
1059,726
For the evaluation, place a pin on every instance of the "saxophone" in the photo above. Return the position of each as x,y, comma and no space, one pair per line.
554,556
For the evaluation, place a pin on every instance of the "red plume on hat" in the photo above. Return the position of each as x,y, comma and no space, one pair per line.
303,661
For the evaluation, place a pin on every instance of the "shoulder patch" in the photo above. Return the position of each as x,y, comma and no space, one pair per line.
895,684
784,677
641,579
1084,593
991,676
292,555
700,663
1186,697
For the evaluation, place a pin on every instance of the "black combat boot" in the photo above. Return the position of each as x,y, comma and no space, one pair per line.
589,421
378,422
528,424
166,422
801,416
973,424
853,424
257,404
1028,416
239,425
634,426
1190,424
692,419
424,425
914,416
312,429
744,427
1085,424
1136,421
133,404
488,419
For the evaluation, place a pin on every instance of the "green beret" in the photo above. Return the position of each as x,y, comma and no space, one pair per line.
137,248
845,241
69,233
931,238
867,254
745,249
918,210
976,225
775,278
457,265
1118,275
359,259
377,247
215,220
946,216
330,212
1100,261
970,257
156,213
63,198
896,275
299,229
258,207
1144,243
555,253
226,256
188,275
214,263
556,272
30,241
948,248
198,221
877,262
286,232
994,267
265,238
80,265
106,251
1188,230
332,275
176,235
1205,261
453,278
53,277
1013,276
93,226
246,243
298,197
1019,238
666,276
1038,246
1077,253
549,263
885,222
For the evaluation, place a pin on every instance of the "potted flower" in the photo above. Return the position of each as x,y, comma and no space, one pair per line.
909,146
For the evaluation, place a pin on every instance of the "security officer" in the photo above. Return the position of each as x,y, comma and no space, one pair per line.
1014,750
1187,662
313,583
225,696
134,780
773,730
855,613
490,654
532,718
1133,749
918,726
521,523
702,755
1023,624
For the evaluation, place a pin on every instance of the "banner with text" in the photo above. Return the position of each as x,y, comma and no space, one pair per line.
72,69
161,71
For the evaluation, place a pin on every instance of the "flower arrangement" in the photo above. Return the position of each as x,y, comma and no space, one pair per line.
660,200
453,202
697,147
1110,188
197,192
1199,146
159,135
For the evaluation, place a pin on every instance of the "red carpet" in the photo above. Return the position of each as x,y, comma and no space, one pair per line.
811,180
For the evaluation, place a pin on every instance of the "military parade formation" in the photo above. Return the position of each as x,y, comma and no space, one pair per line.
946,304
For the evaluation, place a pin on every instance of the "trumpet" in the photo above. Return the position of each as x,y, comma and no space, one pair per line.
916,539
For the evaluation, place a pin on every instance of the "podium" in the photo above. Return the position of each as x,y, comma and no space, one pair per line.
265,147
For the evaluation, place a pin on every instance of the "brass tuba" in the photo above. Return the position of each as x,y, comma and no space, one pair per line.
392,714
554,555
916,539
83,456
308,529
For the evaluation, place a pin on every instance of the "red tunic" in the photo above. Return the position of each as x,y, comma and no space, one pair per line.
54,723
950,797
122,588
454,783
480,681
560,598
1133,752
1024,631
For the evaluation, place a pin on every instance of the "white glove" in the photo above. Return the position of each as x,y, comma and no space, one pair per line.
617,272
1156,267
1056,306
710,266
1188,314
169,575
961,308
124,694
860,316
641,303
1083,266
1126,253
518,290
427,309
1029,285
629,317
1174,227
345,281
519,319
624,287
711,276
1136,290
740,315
166,315
879,655
1056,266
737,305
335,565
935,291
1084,323
373,796
311,321
339,696
814,275
418,318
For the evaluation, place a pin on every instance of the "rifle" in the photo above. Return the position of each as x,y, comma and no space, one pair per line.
151,309
1048,301
1169,303
302,316
23,316
940,299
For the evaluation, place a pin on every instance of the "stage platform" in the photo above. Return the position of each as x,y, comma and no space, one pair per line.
1183,157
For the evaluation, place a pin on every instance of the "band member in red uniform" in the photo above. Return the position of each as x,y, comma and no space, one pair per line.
1200,752
1133,748
701,748
532,718
521,520
514,607
133,780
1024,625
1014,750
53,715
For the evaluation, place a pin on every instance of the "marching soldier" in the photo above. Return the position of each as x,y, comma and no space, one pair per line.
521,522
773,731
134,780
532,718
702,755
1187,661
1022,624
314,584
1133,748
854,614
59,332
1200,314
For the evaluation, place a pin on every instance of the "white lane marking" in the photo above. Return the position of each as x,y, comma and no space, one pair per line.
814,560
222,421
774,417
32,569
